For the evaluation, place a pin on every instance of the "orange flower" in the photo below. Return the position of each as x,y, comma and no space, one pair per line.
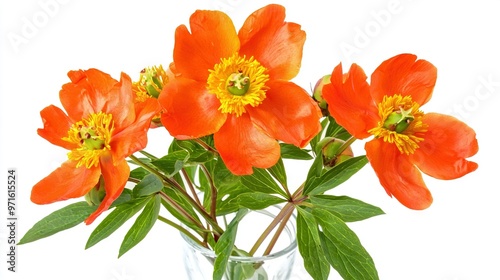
151,82
236,86
102,127
406,141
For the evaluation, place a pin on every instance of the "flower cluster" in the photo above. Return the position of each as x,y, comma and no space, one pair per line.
228,101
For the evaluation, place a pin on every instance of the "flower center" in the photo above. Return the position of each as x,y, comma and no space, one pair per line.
401,123
92,135
151,82
238,82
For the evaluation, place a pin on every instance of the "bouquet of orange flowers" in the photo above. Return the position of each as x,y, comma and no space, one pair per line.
236,118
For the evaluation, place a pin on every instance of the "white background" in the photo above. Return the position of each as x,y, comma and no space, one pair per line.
457,238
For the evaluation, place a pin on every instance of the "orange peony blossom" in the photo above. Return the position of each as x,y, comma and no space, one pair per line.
151,82
236,86
102,127
406,140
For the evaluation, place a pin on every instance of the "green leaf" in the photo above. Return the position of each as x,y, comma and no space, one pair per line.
318,136
316,168
125,196
225,245
334,176
346,208
336,130
262,181
139,173
197,154
148,185
227,198
171,163
142,225
278,172
59,220
222,176
258,200
114,220
309,243
342,248
293,152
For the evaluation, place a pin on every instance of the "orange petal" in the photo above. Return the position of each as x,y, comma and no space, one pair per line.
64,183
349,101
115,178
134,137
56,125
403,74
212,37
447,144
397,174
87,92
119,102
243,146
189,111
276,44
288,114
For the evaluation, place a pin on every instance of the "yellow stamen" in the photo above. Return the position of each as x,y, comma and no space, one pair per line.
92,135
238,82
151,82
406,140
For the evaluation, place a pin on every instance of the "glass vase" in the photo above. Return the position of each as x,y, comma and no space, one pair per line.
198,260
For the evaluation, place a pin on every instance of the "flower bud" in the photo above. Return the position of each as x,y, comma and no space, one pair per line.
318,94
96,194
330,150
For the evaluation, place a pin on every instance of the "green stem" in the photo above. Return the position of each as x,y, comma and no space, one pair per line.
134,180
148,168
213,192
148,155
181,210
175,184
213,222
181,229
205,146
346,144
199,208
281,215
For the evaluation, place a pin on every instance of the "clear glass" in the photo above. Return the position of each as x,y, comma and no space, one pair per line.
198,260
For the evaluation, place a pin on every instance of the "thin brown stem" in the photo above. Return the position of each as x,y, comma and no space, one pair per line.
199,208
278,232
269,229
205,146
191,186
